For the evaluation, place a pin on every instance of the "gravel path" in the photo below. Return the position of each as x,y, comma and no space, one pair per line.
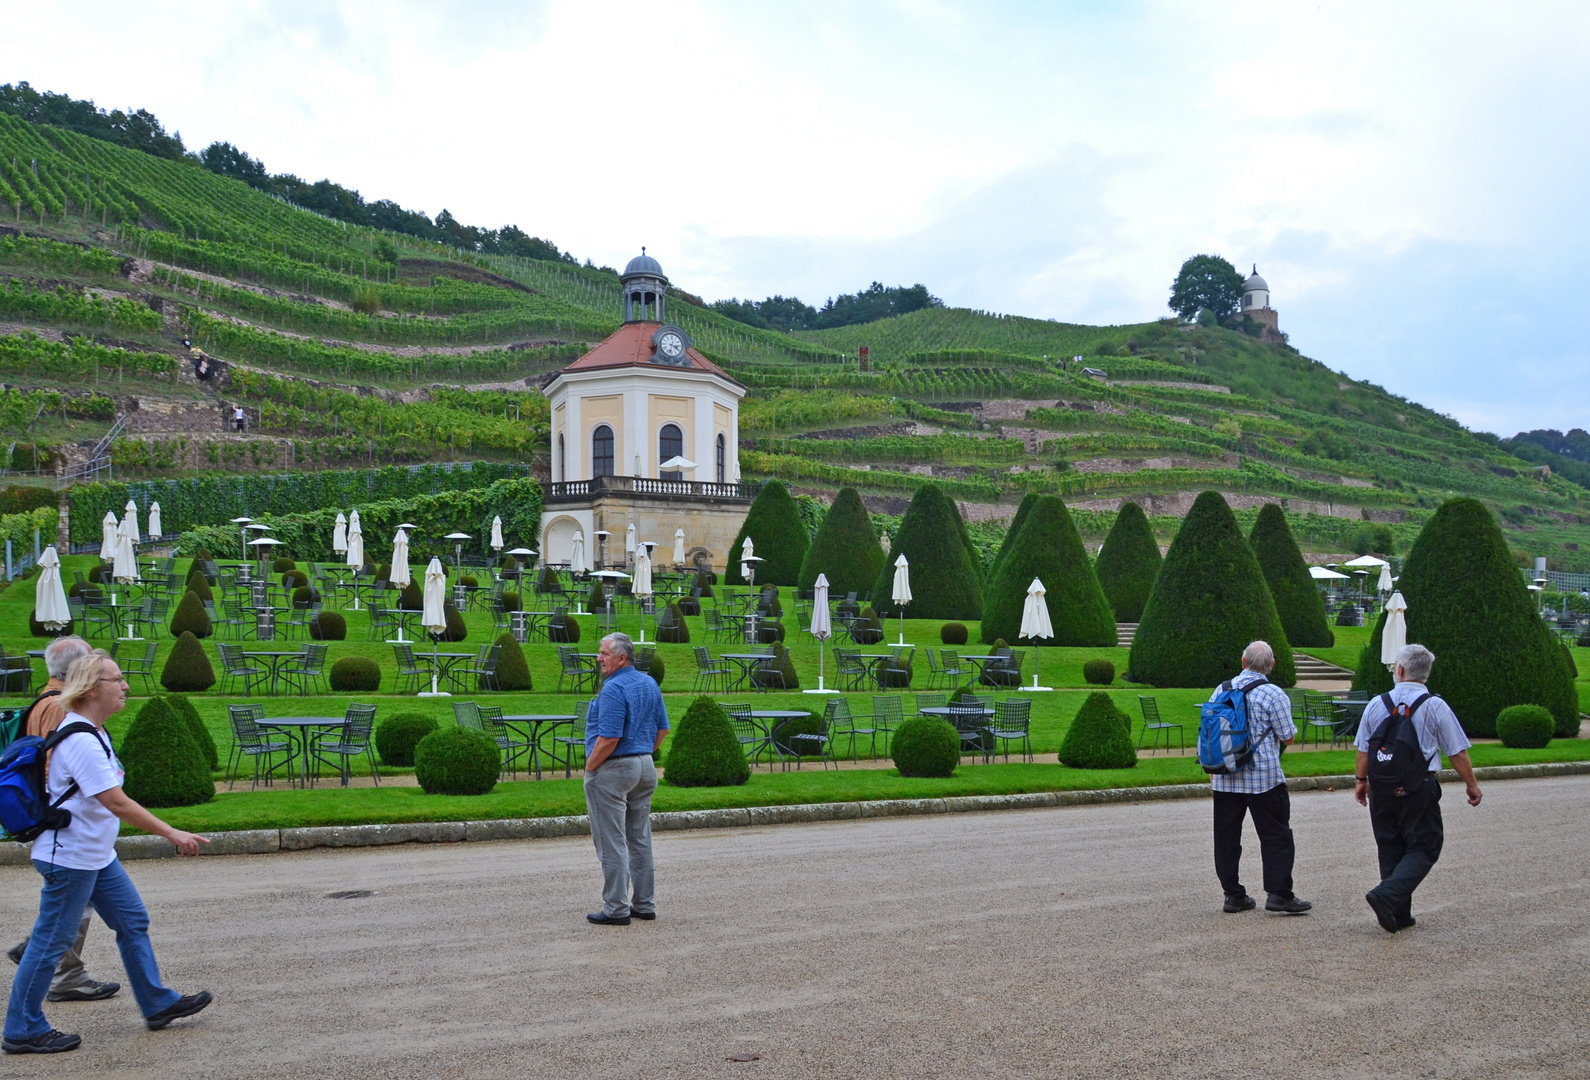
1079,942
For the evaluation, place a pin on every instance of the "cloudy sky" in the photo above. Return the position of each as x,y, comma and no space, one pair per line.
1409,177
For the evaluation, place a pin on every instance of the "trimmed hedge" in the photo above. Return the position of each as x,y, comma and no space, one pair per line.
187,669
946,582
457,761
563,630
679,632
1050,550
512,671
398,735
704,751
1297,599
456,630
1028,501
1129,563
1100,736
657,669
1209,601
36,628
164,765
412,598
953,633
329,626
190,618
198,583
1468,604
1525,727
925,746
1371,675
1098,672
294,579
778,535
281,564
201,734
356,674
846,548
786,664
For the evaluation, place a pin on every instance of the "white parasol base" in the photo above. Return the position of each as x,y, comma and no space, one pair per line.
901,641
433,692
1035,688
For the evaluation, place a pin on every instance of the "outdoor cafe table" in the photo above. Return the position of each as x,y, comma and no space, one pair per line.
745,662
275,660
533,723
300,728
534,629
445,663
943,711
769,719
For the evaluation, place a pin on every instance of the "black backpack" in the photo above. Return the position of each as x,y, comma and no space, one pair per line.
1397,763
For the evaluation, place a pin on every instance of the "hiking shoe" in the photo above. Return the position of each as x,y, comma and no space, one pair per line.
51,1042
186,1005
89,991
1287,905
16,953
1235,904
1383,912
647,916
607,920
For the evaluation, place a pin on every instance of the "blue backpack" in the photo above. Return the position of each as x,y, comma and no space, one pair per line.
1225,741
25,809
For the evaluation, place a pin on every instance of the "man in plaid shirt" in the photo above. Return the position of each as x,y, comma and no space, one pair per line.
1258,788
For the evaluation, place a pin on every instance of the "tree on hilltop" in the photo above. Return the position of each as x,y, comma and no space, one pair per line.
1206,281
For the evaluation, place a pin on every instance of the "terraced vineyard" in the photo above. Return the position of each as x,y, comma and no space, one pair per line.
353,347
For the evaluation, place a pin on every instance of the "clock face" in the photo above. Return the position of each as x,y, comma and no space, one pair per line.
671,346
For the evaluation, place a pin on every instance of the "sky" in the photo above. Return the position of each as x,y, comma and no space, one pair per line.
1409,178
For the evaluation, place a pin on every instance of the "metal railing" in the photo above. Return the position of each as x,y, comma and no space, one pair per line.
645,485
99,459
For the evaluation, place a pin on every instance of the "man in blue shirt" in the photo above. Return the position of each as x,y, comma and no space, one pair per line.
626,724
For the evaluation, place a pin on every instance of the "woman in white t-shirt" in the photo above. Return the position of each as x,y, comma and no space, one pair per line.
80,867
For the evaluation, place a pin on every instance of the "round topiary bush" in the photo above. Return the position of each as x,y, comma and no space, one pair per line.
187,669
36,628
398,735
1098,672
1297,598
785,664
1525,727
704,751
925,746
294,579
99,574
329,626
953,633
1099,737
785,730
512,671
457,761
469,581
1128,563
867,629
84,588
304,595
164,766
201,734
1347,615
281,564
356,674
563,629
689,605
510,601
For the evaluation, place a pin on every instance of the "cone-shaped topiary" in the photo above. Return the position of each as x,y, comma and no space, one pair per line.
512,671
456,630
1129,563
597,599
563,629
1526,727
925,746
164,766
457,761
1297,598
1468,604
36,628
1371,675
187,669
779,536
1209,601
657,669
845,548
190,618
398,735
785,664
201,734
510,600
945,582
412,598
1027,502
1050,550
704,751
383,572
329,626
1099,737
672,627
198,583
356,674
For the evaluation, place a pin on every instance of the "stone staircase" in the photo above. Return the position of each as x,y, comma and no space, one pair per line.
1124,633
1313,669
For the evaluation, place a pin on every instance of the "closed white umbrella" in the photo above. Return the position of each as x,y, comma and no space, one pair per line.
126,568
49,597
577,554
641,586
107,536
496,534
154,521
1385,583
745,554
821,629
132,520
679,547
901,594
1395,635
629,539
355,542
1035,622
339,535
400,575
434,616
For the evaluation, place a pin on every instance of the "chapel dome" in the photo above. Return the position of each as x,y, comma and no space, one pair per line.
644,264
1255,282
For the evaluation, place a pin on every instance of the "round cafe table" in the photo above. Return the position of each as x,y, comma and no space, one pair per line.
299,729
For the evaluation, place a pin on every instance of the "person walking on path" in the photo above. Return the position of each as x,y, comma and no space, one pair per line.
80,867
1258,788
625,726
72,981
1406,816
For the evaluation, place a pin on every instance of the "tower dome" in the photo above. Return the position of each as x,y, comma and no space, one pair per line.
644,286
644,264
1255,291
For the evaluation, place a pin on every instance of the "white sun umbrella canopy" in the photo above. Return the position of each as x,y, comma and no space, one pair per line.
49,597
496,534
1320,573
577,553
131,520
126,568
679,547
1385,583
400,575
355,542
154,521
1035,622
339,535
107,536
1395,635
1365,562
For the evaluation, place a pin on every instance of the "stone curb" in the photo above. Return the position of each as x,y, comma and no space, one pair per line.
267,841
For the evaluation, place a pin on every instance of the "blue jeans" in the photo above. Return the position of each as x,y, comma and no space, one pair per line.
61,903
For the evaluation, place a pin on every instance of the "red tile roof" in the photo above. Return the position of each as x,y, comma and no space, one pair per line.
630,346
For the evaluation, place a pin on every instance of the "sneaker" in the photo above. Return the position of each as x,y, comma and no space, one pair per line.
51,1042
89,991
1287,905
186,1005
1235,904
1383,912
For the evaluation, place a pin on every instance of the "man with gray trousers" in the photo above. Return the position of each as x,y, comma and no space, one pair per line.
625,726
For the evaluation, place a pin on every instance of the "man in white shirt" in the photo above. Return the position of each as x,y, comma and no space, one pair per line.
1407,824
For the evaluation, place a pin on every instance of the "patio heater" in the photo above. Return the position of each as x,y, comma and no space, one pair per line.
748,565
242,523
261,551
610,578
601,546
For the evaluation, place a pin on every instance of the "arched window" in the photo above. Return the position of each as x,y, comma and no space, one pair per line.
563,461
723,457
601,451
670,444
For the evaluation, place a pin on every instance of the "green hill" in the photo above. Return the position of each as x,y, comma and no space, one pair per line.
353,347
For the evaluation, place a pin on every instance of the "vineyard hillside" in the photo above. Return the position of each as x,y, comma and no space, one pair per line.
348,347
